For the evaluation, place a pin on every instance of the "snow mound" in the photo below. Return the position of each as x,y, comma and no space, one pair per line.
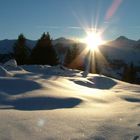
102,82
4,72
15,86
35,68
11,62
58,70
95,82
12,65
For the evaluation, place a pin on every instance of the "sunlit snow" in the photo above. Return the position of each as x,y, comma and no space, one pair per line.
44,102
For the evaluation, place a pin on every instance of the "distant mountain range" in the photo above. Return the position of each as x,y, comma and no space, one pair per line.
122,41
121,48
124,49
6,45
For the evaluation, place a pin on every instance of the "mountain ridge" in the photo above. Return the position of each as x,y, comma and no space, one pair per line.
6,45
121,48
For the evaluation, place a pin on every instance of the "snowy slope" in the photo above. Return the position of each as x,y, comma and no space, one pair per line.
6,46
62,40
123,41
49,103
122,49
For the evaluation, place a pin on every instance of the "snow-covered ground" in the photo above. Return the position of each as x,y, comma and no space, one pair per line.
55,103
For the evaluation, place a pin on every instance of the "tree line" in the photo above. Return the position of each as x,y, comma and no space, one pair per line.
43,53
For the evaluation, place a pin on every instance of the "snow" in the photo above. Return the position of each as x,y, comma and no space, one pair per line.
4,72
11,62
43,102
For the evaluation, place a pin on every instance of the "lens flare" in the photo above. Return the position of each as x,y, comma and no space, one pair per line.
93,40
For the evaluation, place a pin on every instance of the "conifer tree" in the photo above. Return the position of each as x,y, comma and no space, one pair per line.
21,51
71,55
132,73
44,52
129,73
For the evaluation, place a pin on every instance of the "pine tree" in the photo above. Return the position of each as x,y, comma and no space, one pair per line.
71,55
21,51
44,52
68,57
125,74
129,73
132,73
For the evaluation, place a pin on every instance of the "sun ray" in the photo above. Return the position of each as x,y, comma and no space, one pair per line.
93,39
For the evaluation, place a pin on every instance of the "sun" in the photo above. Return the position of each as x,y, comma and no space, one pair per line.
93,40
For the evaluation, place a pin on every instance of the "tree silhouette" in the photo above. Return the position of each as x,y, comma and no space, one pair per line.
21,51
44,52
129,73
71,55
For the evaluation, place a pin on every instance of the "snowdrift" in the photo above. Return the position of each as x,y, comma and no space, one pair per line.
43,102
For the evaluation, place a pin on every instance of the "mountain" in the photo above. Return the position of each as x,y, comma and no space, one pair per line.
122,41
64,41
123,49
6,45
31,43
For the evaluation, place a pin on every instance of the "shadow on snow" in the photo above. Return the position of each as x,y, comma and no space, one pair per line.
97,82
40,103
133,100
14,86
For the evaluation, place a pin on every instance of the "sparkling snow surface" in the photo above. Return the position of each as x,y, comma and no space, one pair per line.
55,103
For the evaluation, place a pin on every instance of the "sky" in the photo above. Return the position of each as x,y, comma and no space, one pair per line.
69,18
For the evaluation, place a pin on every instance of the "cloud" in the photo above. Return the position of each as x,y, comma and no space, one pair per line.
48,27
74,27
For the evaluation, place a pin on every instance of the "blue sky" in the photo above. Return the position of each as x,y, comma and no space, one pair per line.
67,18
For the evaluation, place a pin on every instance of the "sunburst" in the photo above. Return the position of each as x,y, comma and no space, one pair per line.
93,40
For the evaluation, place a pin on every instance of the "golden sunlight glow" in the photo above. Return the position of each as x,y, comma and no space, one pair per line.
93,40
